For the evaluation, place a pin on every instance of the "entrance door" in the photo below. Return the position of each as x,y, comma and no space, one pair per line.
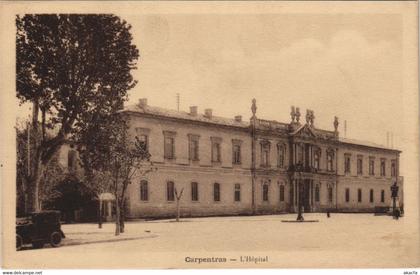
306,195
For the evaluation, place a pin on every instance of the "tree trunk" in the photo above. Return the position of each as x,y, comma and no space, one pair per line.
177,210
100,214
122,217
117,218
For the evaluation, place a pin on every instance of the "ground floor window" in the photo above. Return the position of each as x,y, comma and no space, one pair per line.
281,192
265,192
237,192
216,192
170,191
144,192
194,191
371,195
359,195
317,193
382,195
347,195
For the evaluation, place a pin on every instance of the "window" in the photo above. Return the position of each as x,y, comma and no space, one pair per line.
359,195
216,149
236,151
194,191
330,159
371,166
193,147
393,168
281,153
265,192
382,167
216,192
142,137
330,194
347,195
169,144
382,195
237,192
317,193
347,163
317,156
72,160
360,165
371,195
265,153
170,191
282,192
143,141
144,191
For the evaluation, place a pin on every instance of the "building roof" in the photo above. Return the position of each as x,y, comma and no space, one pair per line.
169,113
157,111
364,143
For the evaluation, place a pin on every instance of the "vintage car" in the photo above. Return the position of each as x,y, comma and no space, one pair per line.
39,228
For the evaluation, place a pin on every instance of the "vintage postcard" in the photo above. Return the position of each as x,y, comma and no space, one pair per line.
209,134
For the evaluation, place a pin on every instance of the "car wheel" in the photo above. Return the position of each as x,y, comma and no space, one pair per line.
38,244
19,242
55,239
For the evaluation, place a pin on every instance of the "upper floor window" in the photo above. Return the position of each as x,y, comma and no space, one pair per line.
216,191
265,192
347,159
281,154
170,191
317,157
317,193
193,147
194,191
144,190
237,192
169,144
236,151
359,165
282,192
371,166
383,167
359,195
142,136
216,149
265,153
393,168
330,160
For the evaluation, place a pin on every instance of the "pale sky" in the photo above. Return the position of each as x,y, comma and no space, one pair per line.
344,65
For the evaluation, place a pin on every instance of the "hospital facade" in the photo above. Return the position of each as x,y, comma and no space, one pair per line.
227,166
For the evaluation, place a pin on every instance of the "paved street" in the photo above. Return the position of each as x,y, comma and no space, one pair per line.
364,240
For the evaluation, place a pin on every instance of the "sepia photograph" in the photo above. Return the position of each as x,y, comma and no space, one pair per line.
220,135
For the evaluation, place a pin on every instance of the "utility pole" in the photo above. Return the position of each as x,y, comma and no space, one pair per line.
177,101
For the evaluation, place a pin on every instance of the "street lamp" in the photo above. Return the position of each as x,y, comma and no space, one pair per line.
394,195
299,216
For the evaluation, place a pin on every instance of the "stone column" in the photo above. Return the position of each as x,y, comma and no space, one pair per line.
109,216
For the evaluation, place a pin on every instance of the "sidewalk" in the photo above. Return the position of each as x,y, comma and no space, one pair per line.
78,234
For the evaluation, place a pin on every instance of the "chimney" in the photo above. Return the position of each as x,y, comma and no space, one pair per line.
208,113
142,102
238,118
193,110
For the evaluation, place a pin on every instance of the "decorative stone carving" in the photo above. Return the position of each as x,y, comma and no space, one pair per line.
254,107
293,114
297,114
335,124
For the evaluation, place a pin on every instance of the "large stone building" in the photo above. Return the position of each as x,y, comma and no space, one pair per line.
231,166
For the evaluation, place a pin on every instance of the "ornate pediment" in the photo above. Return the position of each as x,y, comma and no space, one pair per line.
304,131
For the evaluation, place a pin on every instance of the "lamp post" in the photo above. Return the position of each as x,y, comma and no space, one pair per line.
394,195
300,216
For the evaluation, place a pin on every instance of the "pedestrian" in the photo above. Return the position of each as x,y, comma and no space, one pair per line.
328,213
